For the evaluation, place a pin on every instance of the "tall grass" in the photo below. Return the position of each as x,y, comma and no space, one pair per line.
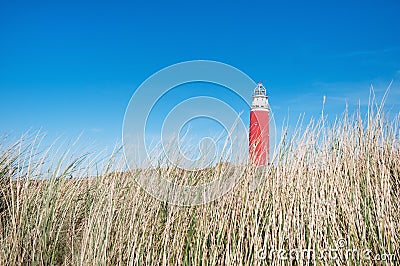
330,182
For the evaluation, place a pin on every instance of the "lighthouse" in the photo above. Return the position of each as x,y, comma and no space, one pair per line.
259,127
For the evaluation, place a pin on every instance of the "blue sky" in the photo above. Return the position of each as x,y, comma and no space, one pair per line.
68,67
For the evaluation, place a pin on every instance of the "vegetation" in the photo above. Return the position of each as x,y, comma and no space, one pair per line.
333,188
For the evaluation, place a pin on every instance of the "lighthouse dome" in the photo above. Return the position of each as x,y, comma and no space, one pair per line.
260,90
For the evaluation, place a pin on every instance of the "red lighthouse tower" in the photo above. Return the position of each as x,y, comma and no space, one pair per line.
259,127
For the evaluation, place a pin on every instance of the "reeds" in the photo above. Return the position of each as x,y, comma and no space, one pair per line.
333,186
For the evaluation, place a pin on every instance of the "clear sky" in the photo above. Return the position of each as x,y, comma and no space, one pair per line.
68,67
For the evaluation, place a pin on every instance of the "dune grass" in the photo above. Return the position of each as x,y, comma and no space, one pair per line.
334,186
